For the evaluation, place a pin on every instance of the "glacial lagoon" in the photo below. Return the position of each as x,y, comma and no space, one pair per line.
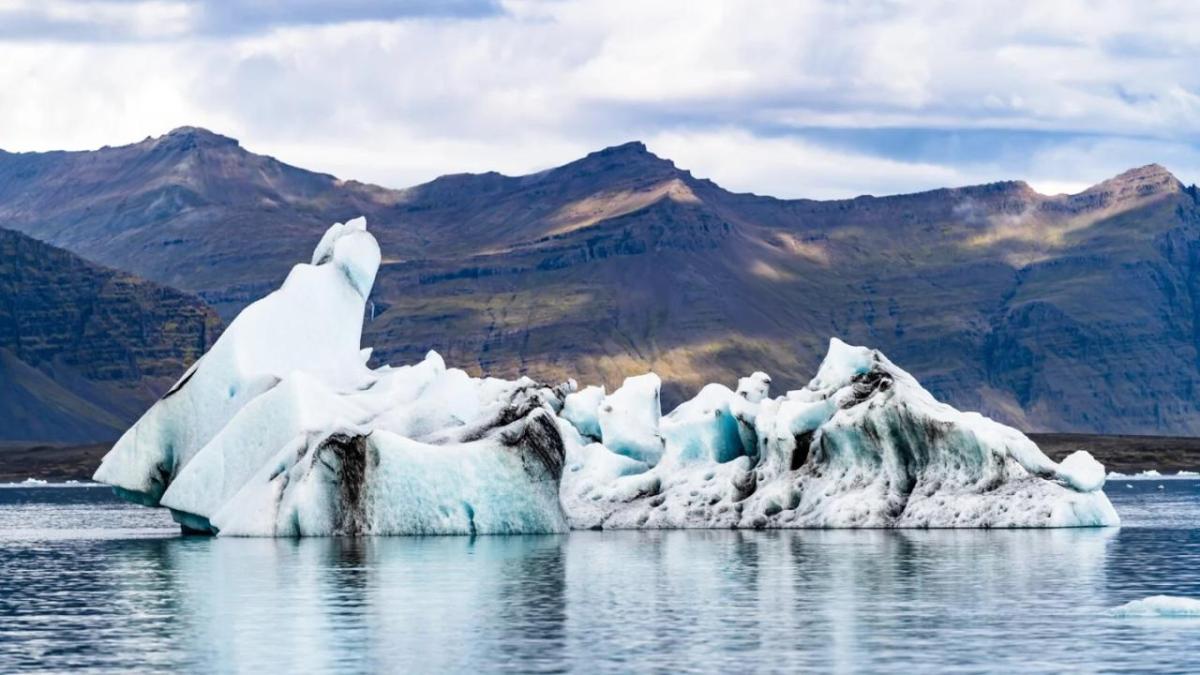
95,583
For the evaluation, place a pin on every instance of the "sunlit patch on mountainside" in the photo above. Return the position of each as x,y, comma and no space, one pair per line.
593,209
808,250
1043,224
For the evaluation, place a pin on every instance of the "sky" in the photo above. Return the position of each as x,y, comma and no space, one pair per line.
798,98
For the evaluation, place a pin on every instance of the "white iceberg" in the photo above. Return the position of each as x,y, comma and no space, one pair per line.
1160,606
863,445
282,429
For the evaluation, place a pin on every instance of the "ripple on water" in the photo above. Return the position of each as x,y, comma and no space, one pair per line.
91,582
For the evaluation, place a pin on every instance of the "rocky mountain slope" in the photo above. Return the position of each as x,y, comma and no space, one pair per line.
190,209
1054,313
83,348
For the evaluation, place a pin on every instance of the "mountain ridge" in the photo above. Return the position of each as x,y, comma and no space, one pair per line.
994,295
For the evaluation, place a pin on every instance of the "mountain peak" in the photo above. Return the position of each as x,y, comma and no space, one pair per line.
1140,181
633,152
187,137
631,148
1149,172
630,160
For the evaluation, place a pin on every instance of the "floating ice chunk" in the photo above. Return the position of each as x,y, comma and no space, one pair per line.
873,449
281,429
1160,606
1154,474
582,409
1081,471
629,419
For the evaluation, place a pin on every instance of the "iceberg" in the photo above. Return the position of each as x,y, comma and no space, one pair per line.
1160,606
862,445
282,429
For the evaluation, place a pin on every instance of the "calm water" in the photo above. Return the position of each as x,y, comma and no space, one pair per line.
86,581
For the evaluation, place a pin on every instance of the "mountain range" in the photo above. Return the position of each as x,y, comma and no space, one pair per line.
85,349
1067,313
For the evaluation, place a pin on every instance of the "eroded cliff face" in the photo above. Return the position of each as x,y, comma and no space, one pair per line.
83,348
1058,313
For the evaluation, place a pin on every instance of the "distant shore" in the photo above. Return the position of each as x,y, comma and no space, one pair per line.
49,461
1127,454
1120,454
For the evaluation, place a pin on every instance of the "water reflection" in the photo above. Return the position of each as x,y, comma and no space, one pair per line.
599,601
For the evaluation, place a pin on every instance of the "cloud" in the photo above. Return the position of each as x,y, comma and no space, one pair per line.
790,167
804,98
130,20
111,21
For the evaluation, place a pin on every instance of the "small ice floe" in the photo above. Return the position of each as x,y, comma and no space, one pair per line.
1160,606
39,482
1154,474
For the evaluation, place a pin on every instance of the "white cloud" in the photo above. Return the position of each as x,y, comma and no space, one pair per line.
786,167
732,90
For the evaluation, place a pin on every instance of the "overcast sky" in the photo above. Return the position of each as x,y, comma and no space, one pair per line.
795,98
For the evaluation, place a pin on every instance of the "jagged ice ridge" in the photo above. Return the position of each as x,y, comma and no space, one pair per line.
281,429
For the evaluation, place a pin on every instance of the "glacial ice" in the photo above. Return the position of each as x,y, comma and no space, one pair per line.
629,419
1160,606
863,445
282,429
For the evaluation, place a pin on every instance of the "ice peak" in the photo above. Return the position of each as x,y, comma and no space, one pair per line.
842,362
